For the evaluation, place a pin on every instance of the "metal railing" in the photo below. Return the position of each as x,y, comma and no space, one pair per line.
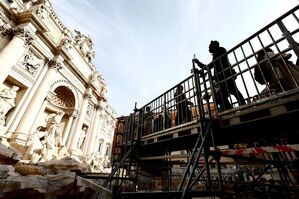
261,68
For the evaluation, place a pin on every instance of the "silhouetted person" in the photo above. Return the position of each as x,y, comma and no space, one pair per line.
148,117
163,119
223,77
167,119
276,70
183,114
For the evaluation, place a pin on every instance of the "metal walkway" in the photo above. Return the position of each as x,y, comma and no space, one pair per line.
186,144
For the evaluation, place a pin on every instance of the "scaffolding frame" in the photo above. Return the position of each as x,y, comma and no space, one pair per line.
170,147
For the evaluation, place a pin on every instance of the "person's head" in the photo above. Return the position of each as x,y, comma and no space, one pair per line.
179,88
261,54
213,46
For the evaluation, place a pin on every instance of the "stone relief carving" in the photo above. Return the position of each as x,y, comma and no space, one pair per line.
85,45
31,62
7,102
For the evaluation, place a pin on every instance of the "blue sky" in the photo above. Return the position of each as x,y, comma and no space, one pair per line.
144,47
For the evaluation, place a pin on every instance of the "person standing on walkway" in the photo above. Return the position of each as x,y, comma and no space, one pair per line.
223,77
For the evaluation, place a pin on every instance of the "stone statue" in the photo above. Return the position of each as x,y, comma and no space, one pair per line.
48,151
85,44
96,163
82,136
63,152
34,143
79,37
53,123
7,102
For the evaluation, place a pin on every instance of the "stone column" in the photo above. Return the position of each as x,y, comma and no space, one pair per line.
14,50
89,147
68,128
38,99
72,129
80,119
40,112
26,101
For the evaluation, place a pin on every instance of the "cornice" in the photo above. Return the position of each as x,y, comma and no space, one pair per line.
30,17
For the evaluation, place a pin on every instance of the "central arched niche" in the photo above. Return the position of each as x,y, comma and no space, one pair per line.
63,98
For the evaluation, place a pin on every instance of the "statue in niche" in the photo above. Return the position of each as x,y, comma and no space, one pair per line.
7,102
82,136
31,63
53,123
89,110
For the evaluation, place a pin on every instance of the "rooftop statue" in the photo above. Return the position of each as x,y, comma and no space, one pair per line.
85,45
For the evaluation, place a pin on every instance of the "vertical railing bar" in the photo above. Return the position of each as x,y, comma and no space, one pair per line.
271,65
259,68
288,37
241,73
281,56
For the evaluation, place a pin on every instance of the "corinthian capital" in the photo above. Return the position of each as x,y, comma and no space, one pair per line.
23,34
87,94
5,31
53,63
99,107
5,28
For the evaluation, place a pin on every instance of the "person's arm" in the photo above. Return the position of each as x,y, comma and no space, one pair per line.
200,65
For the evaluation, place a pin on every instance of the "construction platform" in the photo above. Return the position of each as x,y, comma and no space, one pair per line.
186,144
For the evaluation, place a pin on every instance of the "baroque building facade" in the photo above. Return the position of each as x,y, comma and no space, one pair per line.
52,98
